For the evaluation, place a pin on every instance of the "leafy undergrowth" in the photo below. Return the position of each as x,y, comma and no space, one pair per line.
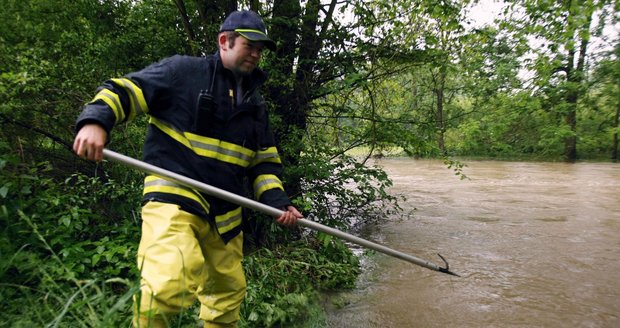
67,254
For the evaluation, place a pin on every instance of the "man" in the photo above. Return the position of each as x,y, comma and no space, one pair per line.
207,122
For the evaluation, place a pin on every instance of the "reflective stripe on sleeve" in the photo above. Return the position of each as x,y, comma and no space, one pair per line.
267,155
113,101
228,221
136,97
266,182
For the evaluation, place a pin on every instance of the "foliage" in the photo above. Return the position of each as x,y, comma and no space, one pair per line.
442,81
78,249
605,95
372,75
342,192
57,54
287,273
564,30
57,255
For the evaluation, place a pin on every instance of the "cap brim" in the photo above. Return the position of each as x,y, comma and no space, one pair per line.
259,37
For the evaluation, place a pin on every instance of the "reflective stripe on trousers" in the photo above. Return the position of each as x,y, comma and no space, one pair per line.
182,258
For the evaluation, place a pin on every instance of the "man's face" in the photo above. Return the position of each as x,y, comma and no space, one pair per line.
243,57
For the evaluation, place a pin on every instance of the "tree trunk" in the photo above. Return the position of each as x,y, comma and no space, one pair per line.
189,30
440,123
575,78
292,105
570,117
570,142
285,29
614,149
439,113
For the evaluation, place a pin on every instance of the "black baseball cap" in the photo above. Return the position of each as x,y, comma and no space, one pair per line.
249,25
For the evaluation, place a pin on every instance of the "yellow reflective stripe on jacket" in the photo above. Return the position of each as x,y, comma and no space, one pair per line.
112,100
208,147
136,97
267,155
171,131
228,221
265,182
221,150
156,184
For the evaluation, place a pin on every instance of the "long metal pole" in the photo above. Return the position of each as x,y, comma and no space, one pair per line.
260,207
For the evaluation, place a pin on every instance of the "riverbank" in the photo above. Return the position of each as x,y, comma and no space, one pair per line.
396,152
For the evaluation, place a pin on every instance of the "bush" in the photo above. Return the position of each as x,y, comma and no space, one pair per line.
283,283
67,252
57,252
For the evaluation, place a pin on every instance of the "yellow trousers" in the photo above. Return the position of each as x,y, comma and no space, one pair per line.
182,258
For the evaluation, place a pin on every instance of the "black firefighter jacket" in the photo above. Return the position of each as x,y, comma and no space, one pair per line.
198,129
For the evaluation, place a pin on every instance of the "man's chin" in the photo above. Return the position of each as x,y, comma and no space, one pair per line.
244,71
249,69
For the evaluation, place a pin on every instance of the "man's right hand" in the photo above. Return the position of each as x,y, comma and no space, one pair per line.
89,142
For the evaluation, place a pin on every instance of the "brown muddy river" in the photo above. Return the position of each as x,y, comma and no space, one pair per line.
536,245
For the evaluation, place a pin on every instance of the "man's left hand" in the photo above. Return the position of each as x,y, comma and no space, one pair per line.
289,217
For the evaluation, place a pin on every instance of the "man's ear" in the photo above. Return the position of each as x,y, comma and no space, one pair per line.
222,41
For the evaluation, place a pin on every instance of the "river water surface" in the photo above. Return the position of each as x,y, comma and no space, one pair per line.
536,245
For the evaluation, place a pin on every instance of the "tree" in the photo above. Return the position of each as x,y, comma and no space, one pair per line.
608,78
57,53
563,28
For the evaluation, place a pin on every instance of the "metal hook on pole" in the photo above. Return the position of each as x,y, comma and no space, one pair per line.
272,211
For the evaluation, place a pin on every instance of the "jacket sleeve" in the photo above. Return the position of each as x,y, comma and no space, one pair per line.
120,100
266,168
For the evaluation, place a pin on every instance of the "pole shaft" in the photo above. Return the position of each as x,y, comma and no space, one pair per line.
260,207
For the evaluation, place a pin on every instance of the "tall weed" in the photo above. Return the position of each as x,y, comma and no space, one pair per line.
57,253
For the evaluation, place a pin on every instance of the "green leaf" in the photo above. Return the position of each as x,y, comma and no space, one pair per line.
26,190
4,190
96,259
65,220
